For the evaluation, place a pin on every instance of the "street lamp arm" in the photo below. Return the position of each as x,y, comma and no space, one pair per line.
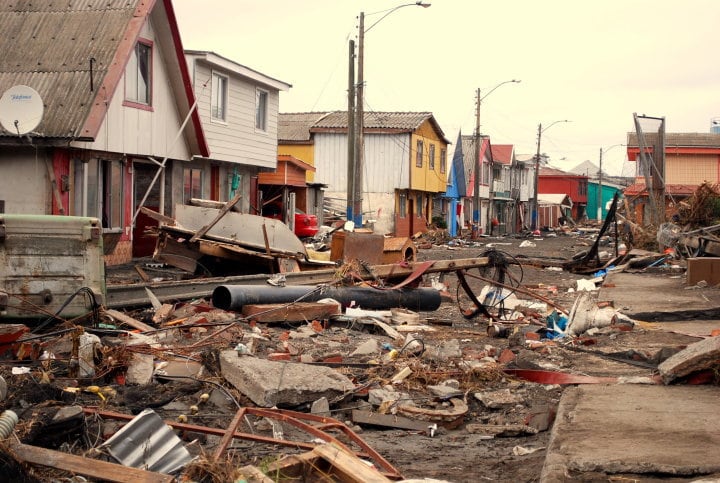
552,124
388,12
517,81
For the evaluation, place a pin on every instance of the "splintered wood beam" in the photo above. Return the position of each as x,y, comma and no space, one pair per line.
201,233
102,470
157,216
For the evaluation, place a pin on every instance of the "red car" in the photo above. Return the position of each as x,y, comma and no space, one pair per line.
305,225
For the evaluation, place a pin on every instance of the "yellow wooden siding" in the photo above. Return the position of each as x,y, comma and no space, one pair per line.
303,152
423,178
691,169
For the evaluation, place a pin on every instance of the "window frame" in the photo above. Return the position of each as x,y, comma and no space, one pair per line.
419,146
402,205
443,160
189,185
133,99
217,77
261,109
431,157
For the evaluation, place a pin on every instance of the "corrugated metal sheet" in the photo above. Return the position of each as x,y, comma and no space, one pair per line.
148,443
376,120
681,139
48,46
295,126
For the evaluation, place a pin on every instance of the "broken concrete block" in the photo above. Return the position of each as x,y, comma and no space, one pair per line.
498,399
376,397
269,383
86,354
695,357
445,390
367,348
321,407
447,349
140,369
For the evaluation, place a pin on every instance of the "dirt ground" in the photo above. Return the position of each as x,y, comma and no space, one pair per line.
472,451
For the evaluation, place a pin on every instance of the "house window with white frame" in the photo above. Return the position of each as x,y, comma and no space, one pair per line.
419,206
261,109
192,184
219,97
103,190
443,160
402,205
419,154
138,74
431,157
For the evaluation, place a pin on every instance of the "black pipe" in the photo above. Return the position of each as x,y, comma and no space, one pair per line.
233,297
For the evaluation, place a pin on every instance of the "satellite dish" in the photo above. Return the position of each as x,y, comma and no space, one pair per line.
21,109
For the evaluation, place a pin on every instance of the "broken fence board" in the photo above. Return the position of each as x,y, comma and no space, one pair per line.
102,470
252,474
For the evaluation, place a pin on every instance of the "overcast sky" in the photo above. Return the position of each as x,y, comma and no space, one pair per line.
593,63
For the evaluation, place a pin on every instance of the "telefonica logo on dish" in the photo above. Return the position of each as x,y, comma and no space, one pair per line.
20,97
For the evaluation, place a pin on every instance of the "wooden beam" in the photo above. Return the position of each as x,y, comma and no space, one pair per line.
296,312
99,469
157,216
201,233
127,320
349,468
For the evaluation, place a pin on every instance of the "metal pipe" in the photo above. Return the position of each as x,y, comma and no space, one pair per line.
234,297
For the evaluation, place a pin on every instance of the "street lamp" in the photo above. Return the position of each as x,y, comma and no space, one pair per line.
355,211
534,216
598,198
476,181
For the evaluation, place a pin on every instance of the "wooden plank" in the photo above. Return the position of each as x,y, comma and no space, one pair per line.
127,320
350,467
252,474
388,420
157,216
202,231
297,312
102,470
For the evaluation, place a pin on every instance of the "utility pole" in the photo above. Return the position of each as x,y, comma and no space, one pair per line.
599,192
534,214
477,171
350,201
360,126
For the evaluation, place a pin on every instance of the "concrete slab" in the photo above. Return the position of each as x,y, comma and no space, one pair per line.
634,430
696,357
283,384
658,297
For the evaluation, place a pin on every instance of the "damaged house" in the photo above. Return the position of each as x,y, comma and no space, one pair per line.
118,103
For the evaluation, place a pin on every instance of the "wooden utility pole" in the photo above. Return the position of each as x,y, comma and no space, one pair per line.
477,171
350,201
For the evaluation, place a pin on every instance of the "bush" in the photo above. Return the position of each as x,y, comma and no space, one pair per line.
439,222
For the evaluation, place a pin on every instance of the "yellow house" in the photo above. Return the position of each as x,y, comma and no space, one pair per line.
404,163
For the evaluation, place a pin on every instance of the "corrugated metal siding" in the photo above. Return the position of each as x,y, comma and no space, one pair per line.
386,162
60,38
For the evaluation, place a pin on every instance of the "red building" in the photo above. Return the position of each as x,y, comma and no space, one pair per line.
575,186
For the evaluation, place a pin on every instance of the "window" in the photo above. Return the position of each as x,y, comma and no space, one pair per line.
582,188
419,154
402,208
218,101
431,157
419,206
105,191
192,184
138,83
261,107
443,160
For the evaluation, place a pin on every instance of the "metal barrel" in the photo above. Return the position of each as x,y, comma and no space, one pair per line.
233,297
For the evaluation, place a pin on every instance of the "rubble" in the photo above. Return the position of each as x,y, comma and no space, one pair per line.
483,352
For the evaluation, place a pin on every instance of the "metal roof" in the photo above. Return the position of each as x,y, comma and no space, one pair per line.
693,139
296,126
292,124
49,46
